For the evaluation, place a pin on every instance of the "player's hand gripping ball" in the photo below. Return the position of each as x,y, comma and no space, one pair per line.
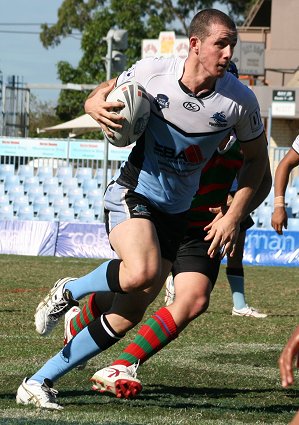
136,112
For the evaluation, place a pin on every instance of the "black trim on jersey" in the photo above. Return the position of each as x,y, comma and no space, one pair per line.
191,94
184,133
251,140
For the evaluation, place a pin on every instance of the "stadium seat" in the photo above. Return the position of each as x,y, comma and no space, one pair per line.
4,200
295,183
35,192
19,202
29,182
15,192
80,204
60,203
270,198
40,202
46,214
6,212
49,183
66,214
44,172
89,184
6,170
74,193
54,193
87,216
290,194
294,205
93,195
256,221
25,213
83,173
63,172
24,171
293,223
264,215
10,181
97,205
68,183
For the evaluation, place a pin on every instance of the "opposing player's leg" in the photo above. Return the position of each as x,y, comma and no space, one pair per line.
235,277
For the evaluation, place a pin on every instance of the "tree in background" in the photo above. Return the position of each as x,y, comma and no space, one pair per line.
41,115
93,18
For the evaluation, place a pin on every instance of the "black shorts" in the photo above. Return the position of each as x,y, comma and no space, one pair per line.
122,204
192,256
246,224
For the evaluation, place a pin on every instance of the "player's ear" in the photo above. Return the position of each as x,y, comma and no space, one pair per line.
194,43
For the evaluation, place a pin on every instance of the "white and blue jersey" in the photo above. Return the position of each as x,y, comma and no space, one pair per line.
183,131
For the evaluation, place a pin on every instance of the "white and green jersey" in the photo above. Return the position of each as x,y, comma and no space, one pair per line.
183,131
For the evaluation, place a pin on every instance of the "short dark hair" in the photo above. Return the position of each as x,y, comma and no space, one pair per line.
202,21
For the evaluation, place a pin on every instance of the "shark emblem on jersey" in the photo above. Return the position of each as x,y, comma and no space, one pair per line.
141,210
219,120
162,101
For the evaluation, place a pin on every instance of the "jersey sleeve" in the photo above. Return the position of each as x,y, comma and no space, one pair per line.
295,145
249,124
143,70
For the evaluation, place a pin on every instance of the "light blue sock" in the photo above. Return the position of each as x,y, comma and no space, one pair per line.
237,289
80,349
95,281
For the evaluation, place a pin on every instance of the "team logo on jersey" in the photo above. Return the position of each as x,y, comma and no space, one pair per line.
140,210
191,106
219,120
162,101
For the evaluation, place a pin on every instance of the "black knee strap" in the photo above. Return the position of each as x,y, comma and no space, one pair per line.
112,275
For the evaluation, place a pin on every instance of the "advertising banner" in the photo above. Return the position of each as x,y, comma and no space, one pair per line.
28,237
87,240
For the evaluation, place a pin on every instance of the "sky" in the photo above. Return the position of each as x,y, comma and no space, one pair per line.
23,54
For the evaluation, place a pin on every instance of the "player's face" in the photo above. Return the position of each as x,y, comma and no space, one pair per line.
216,50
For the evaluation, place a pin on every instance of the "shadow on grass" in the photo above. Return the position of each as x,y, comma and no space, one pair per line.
164,396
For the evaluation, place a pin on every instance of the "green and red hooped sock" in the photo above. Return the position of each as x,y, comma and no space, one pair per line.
155,334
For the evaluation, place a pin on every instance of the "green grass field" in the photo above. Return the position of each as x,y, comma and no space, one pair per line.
221,370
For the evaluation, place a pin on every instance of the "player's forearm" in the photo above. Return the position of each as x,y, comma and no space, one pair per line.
254,184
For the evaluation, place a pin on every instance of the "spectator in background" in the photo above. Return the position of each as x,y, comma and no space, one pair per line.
281,179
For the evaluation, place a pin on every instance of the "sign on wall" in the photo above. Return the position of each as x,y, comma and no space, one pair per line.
284,103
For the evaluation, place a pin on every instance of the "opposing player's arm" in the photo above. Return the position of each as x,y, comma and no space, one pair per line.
282,174
100,110
224,232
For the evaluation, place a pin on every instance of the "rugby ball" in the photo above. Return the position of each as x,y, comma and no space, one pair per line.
136,112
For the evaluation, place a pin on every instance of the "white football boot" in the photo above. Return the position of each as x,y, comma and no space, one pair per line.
119,380
248,312
53,306
40,395
169,290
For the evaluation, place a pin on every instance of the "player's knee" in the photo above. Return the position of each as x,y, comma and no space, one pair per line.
200,305
139,279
